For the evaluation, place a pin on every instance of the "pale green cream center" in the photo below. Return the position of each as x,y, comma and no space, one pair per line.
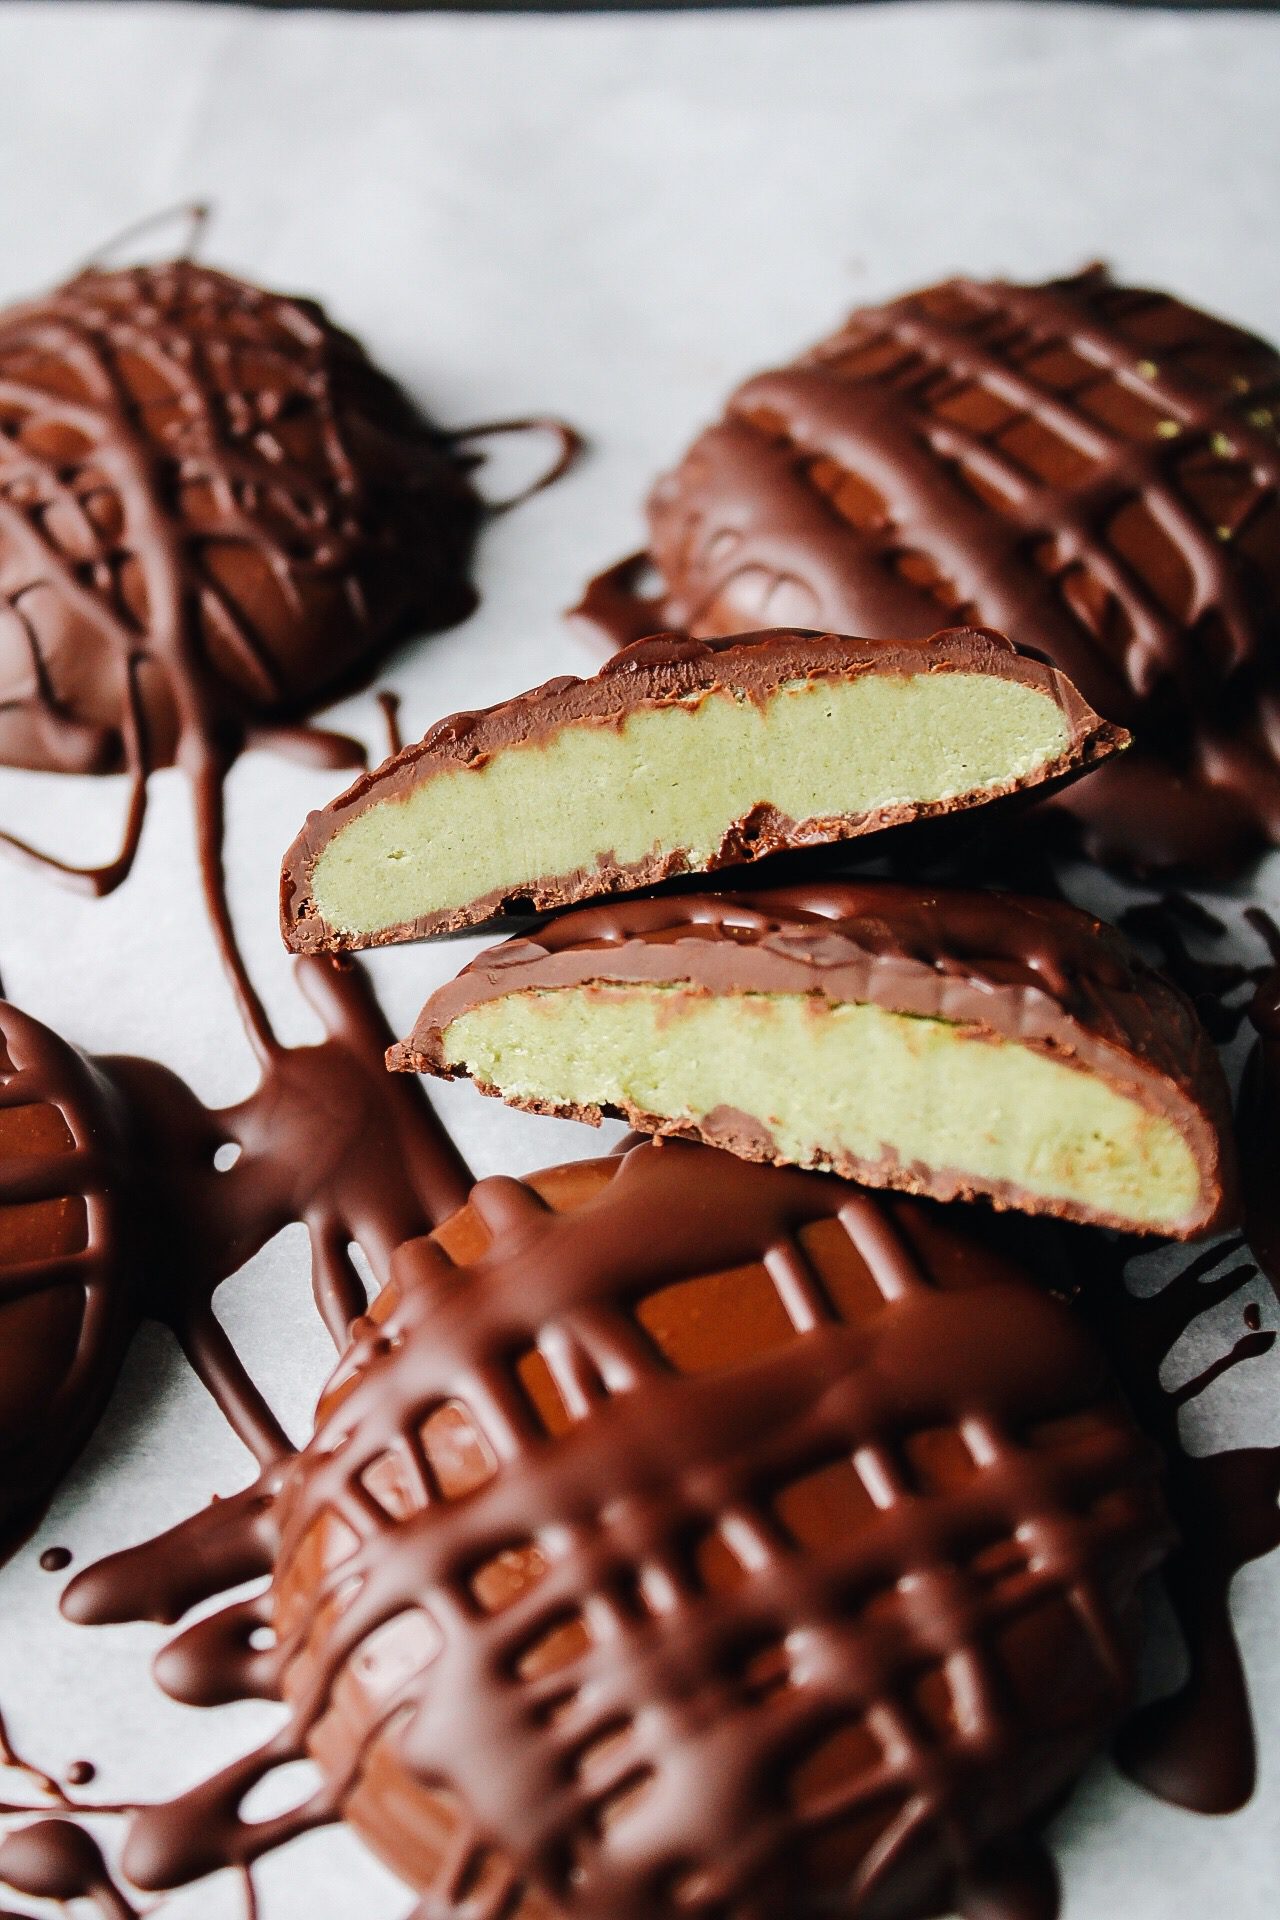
679,777
831,1079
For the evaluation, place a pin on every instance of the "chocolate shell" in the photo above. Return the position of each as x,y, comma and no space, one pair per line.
680,756
688,1536
946,1043
1091,468
215,513
68,1287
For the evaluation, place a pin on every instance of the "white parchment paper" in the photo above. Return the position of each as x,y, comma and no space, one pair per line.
615,218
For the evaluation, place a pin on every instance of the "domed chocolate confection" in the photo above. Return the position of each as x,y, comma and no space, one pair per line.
1092,469
215,515
67,1302
685,1536
213,509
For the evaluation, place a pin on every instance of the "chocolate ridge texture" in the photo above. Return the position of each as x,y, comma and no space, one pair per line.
679,756
200,478
1091,467
216,514
941,1042
680,1524
70,1292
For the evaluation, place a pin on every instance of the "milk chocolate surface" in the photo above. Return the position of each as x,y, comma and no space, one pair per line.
680,756
1082,1033
1091,468
681,1530
215,514
203,480
69,1290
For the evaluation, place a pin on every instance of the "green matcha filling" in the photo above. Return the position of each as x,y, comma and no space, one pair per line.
832,1080
679,777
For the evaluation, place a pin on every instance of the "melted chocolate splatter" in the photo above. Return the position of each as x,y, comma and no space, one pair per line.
55,1559
1166,924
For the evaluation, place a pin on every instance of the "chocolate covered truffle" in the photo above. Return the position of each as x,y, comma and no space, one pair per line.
689,1536
681,756
946,1043
1091,468
215,515
68,1288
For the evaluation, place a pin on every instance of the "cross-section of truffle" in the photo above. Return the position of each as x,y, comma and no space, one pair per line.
686,1536
1092,468
947,1043
681,756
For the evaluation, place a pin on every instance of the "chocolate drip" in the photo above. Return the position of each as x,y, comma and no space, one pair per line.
650,1458
60,1860
390,704
1090,468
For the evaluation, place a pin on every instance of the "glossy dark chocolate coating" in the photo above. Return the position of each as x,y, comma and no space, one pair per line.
1039,972
580,1596
69,1286
1092,469
215,514
211,489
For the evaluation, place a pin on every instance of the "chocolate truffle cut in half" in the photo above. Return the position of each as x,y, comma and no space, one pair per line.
1093,468
945,1043
679,757
686,1536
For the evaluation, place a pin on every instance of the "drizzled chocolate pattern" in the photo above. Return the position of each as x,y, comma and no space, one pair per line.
798,1561
215,513
1093,469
